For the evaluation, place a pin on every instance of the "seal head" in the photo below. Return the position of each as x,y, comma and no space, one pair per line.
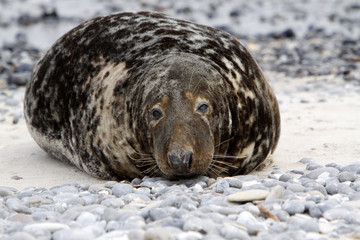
179,114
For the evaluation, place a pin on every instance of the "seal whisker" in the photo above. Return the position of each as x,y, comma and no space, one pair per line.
217,162
216,169
150,159
221,143
233,157
144,154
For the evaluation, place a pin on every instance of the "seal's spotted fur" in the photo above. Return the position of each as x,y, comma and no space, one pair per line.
89,96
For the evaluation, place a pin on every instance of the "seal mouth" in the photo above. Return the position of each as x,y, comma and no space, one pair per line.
183,176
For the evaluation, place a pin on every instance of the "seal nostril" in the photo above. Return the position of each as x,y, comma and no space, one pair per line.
180,161
188,159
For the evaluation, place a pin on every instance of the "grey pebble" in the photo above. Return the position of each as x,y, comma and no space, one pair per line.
192,236
281,214
234,182
285,177
39,229
304,222
113,202
22,236
6,192
222,186
160,213
179,202
295,187
297,172
121,189
136,234
347,176
350,168
86,218
78,234
336,213
158,233
197,224
21,218
293,207
69,199
16,205
315,211
276,193
306,160
231,231
64,189
312,166
315,173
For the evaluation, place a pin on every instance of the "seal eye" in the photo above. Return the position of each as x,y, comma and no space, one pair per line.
156,114
203,108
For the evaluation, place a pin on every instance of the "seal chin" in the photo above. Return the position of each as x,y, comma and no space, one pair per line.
183,176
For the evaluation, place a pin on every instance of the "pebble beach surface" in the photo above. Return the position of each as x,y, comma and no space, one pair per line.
321,203
312,44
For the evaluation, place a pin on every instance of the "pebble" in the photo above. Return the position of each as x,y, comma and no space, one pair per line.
230,231
347,176
276,193
249,195
158,234
312,166
292,207
316,173
285,177
336,213
121,189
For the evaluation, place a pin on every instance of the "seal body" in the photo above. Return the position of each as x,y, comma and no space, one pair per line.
135,94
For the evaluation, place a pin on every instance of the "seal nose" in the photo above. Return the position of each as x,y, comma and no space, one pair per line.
180,161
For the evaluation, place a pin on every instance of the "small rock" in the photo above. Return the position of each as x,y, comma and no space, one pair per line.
34,228
295,187
158,233
347,176
234,182
336,213
249,195
293,207
325,227
21,218
285,177
86,218
230,231
313,166
6,192
306,160
315,173
136,234
275,193
113,202
315,211
222,186
350,168
191,236
22,236
297,172
121,189
303,222
17,206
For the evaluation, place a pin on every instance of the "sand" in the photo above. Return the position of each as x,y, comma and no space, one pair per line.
320,120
